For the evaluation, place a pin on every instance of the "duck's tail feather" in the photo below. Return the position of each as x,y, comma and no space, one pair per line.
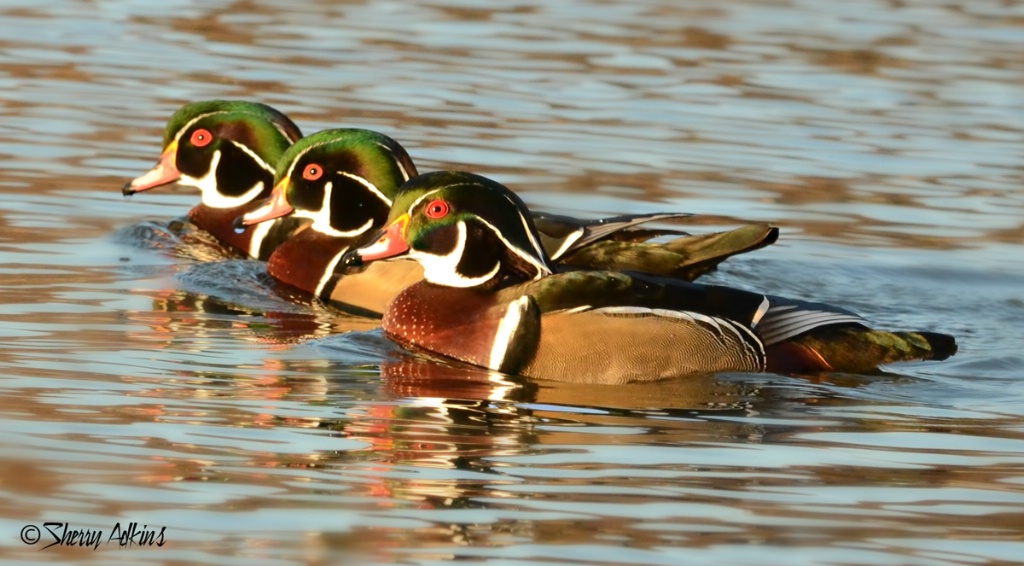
854,349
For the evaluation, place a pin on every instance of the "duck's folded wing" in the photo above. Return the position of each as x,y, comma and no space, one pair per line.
562,235
686,257
787,318
622,344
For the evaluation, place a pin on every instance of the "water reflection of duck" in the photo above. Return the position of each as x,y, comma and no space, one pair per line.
443,434
228,150
232,296
344,180
491,298
425,376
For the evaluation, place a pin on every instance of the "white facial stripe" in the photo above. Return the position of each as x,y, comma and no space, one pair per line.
536,261
277,126
284,132
398,162
370,186
542,267
329,272
263,164
181,132
506,332
256,158
443,269
538,250
297,158
322,218
424,196
259,233
207,184
325,228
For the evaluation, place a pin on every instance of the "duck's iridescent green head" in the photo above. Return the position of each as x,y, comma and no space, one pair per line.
226,148
466,230
342,179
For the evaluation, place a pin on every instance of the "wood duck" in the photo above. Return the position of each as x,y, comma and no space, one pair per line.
491,297
228,149
344,180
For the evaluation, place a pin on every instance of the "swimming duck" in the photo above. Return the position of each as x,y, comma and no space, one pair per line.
344,180
491,297
227,149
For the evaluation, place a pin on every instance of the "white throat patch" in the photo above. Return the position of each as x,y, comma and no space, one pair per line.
443,269
322,218
535,259
207,184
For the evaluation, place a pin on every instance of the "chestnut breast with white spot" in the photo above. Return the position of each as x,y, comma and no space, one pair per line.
256,241
306,260
457,323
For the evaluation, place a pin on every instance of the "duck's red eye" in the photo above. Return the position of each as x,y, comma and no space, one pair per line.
312,172
201,137
436,209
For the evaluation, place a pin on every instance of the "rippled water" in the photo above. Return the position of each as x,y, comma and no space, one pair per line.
142,385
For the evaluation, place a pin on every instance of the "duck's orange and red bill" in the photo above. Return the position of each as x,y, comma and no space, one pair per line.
275,207
165,172
391,242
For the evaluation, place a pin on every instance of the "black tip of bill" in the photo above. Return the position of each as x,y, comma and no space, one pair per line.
352,259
